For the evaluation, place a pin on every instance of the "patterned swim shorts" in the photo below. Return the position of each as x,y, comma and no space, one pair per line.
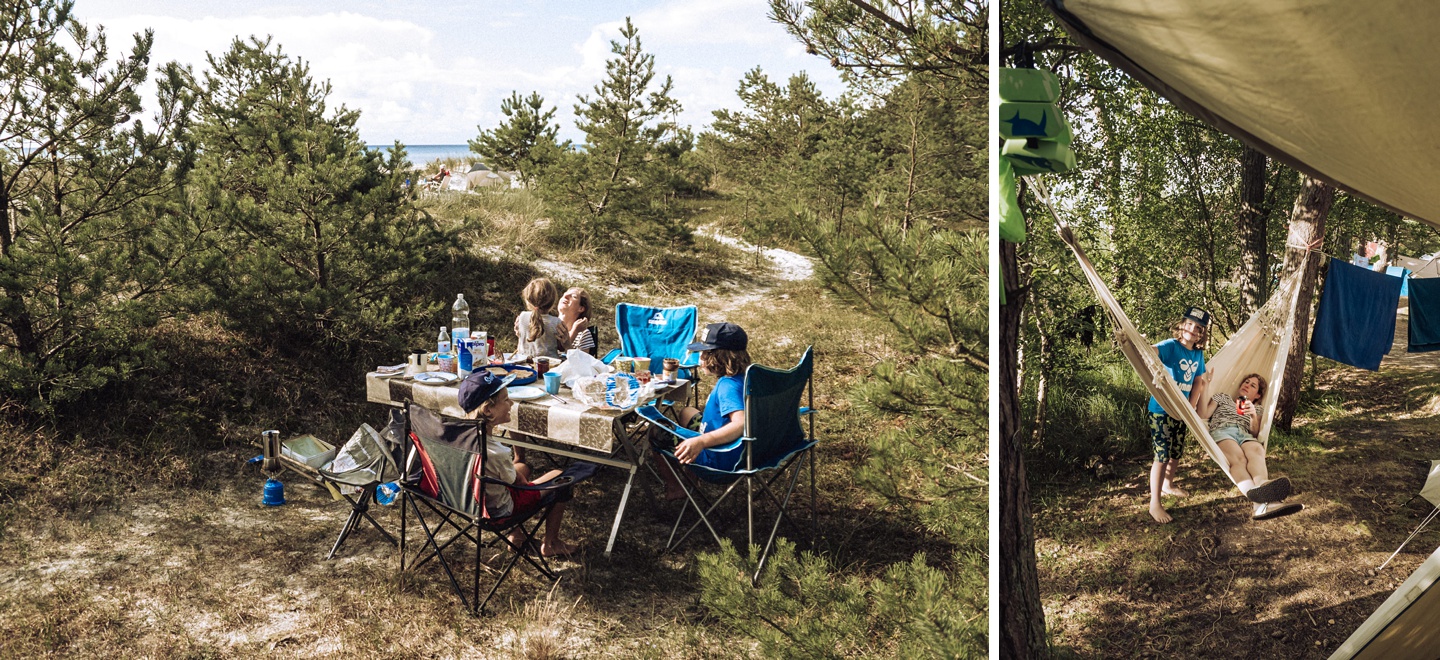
1167,437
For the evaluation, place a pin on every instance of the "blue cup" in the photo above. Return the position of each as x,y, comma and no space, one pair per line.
552,382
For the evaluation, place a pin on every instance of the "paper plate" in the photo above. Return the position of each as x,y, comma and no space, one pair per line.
526,393
436,378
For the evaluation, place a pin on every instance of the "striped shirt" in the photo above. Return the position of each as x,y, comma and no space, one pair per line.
585,341
1225,415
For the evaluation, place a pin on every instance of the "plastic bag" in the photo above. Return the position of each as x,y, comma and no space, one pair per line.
618,390
579,364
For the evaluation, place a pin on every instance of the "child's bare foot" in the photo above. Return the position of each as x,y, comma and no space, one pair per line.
1174,491
1159,514
519,538
556,549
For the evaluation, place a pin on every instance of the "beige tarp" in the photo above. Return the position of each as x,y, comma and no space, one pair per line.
1403,627
1419,268
1346,91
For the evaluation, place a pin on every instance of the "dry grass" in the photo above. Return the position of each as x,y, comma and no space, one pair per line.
1215,584
133,542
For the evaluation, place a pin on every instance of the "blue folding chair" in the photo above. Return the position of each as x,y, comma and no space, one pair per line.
658,333
774,442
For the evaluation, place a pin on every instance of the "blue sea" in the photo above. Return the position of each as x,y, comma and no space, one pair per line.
423,154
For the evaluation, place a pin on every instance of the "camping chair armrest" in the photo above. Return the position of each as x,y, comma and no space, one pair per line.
806,411
660,421
557,482
690,360
610,357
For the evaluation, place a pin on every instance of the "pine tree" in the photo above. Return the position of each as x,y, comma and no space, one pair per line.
890,198
607,189
525,141
313,238
82,186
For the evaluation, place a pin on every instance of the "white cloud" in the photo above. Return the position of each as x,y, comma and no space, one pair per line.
432,84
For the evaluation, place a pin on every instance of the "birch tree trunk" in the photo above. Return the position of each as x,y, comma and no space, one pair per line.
1307,228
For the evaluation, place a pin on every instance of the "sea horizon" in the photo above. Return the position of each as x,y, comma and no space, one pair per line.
424,154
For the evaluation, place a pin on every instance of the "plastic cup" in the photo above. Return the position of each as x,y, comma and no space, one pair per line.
552,382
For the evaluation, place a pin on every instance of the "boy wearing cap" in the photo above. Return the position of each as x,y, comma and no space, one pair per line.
483,394
723,355
1184,357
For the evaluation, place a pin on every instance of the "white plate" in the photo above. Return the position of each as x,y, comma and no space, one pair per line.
526,392
436,377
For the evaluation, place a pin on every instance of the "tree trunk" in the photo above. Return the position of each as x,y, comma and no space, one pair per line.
1307,227
1254,255
1042,380
1022,618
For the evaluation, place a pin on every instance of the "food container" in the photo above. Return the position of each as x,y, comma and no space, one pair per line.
641,364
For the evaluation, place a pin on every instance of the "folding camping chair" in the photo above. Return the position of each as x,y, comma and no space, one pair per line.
658,333
449,481
366,461
773,442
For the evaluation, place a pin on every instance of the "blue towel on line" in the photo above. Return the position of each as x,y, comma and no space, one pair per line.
1424,315
1356,321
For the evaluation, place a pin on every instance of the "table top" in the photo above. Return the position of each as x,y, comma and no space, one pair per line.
565,420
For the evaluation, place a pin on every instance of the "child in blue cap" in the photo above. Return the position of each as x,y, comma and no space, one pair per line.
723,355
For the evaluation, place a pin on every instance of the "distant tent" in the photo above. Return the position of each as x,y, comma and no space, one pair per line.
478,166
1419,268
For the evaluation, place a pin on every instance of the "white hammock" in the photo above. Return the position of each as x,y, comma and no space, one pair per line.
1259,346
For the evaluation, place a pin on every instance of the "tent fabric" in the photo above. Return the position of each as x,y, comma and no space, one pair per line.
1403,627
1424,334
1420,268
1259,346
1355,324
1335,89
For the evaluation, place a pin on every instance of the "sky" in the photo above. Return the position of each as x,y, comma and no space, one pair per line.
431,72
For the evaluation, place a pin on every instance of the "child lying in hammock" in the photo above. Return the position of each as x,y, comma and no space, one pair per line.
1234,422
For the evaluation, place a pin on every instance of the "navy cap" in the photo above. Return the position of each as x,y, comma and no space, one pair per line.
479,386
726,336
1199,316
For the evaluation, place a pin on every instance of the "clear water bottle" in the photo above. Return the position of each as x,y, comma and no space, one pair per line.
385,493
442,343
460,318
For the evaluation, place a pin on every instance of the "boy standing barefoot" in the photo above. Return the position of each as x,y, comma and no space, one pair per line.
1184,357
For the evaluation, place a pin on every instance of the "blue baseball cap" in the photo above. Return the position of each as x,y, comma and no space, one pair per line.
727,336
479,386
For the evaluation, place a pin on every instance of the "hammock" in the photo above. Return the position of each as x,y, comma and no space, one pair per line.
1260,346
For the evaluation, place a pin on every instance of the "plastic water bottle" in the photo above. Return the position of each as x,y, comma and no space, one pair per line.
460,319
442,343
386,493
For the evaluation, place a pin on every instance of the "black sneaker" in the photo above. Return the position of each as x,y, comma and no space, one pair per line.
1274,490
1269,510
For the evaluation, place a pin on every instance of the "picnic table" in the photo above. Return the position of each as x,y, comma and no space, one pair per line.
560,426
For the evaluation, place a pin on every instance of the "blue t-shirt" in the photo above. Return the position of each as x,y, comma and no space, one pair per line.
1184,364
728,397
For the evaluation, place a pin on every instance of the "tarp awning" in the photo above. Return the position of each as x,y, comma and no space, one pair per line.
1345,91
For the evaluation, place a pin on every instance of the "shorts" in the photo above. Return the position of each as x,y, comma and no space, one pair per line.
1239,435
1167,437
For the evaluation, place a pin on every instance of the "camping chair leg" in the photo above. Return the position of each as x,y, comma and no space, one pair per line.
344,534
449,574
690,499
404,498
813,517
620,512
780,515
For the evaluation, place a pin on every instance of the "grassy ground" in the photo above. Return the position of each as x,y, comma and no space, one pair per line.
123,542
1215,584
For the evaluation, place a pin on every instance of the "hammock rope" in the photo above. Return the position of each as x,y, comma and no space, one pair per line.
1259,346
